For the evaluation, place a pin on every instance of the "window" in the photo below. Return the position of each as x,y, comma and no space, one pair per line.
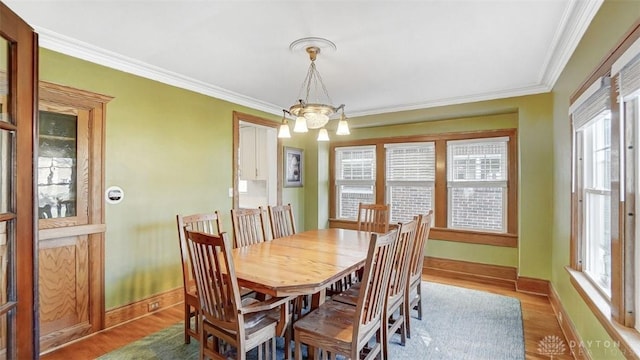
477,184
355,179
410,179
604,251
468,179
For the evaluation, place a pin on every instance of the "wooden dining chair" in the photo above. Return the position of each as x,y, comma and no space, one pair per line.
207,223
396,306
374,217
249,226
283,224
281,220
338,328
224,316
413,292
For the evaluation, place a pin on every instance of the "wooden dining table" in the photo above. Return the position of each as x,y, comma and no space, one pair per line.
301,264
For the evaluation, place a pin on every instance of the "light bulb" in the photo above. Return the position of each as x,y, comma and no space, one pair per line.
284,133
301,125
323,135
343,128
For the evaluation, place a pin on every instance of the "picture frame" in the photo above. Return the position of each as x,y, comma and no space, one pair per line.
293,167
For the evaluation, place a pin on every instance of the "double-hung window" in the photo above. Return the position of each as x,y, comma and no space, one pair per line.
410,179
591,116
477,179
355,179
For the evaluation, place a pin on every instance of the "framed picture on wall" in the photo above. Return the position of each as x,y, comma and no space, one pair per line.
293,162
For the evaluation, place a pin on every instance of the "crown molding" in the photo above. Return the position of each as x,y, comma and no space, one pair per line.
575,21
81,50
502,94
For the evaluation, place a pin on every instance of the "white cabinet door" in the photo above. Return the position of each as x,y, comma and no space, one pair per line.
248,168
253,153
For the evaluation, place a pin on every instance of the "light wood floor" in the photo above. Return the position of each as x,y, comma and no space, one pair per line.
538,319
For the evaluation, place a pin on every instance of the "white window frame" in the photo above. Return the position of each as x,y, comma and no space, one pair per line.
502,184
348,182
427,184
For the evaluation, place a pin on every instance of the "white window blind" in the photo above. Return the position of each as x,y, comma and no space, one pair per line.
354,179
410,179
477,174
592,103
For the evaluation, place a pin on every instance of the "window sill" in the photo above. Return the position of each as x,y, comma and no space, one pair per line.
627,338
465,236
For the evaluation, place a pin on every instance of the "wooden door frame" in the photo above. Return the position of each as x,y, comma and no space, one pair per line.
95,226
237,117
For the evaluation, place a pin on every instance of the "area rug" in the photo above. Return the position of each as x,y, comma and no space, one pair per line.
457,324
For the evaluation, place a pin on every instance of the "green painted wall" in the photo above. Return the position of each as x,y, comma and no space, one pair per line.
161,141
170,150
532,116
612,21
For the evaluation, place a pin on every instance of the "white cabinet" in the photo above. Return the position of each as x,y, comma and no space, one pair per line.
253,153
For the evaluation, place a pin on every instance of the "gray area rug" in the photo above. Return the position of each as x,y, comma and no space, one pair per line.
457,324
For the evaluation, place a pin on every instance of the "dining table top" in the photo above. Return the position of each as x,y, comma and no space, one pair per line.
303,263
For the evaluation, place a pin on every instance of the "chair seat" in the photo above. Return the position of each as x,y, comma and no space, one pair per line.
349,296
332,320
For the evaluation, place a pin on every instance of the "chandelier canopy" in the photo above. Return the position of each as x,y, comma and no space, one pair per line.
314,108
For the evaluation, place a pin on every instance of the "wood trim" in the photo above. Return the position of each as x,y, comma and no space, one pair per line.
628,338
462,135
440,196
512,183
381,161
440,231
533,285
470,237
474,237
567,326
483,273
45,234
237,117
140,308
604,67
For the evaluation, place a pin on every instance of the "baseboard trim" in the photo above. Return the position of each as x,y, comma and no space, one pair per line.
533,285
140,308
483,273
575,345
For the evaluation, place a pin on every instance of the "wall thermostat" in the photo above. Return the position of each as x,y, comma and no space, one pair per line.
114,194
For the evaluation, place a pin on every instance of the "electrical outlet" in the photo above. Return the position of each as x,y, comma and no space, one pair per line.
153,306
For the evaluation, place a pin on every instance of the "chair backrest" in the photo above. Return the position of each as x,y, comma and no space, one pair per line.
417,254
206,223
401,258
372,295
216,282
282,222
248,226
373,217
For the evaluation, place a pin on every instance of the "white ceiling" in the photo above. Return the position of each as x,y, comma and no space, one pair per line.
391,55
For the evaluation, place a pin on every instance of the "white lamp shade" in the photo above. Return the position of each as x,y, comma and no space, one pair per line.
284,133
343,128
301,125
323,135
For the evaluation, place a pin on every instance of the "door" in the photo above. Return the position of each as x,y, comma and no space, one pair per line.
257,166
70,213
18,76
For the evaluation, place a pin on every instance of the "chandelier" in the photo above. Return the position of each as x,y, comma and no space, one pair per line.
314,110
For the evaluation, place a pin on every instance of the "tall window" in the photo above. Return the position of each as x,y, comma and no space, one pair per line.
595,173
355,179
477,184
410,179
